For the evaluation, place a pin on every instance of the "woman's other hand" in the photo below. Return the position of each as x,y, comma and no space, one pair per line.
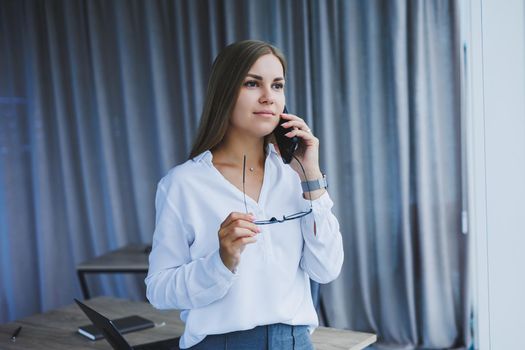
236,231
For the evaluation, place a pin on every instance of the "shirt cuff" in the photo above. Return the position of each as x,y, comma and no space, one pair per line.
324,202
321,209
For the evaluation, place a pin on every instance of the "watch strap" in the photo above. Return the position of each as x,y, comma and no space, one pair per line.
313,185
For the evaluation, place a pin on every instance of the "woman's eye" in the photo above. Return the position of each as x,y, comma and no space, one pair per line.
251,83
278,86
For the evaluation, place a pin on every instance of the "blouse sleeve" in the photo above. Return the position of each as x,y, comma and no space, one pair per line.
323,249
175,280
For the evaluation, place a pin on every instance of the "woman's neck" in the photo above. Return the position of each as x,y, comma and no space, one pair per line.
232,150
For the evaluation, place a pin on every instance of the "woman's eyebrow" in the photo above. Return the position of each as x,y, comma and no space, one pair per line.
258,77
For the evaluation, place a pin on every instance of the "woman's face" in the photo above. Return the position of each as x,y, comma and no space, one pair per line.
261,98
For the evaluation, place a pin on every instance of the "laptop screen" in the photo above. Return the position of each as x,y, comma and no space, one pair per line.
108,329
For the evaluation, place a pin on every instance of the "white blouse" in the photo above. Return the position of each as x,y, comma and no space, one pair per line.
271,283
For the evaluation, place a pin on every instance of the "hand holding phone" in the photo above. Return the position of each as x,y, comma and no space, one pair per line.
287,146
304,148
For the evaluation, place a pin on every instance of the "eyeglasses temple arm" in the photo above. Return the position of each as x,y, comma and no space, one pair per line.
243,182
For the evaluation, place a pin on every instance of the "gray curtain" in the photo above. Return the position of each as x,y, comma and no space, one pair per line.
396,108
98,99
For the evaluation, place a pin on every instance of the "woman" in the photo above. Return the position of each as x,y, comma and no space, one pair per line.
240,279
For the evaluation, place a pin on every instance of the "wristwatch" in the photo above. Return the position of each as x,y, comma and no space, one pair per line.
313,185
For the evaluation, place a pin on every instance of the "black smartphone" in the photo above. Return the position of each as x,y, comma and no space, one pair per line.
287,146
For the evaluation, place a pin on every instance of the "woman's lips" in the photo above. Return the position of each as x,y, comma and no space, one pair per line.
265,113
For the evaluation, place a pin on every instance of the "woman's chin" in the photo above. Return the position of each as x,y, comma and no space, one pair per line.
266,133
258,130
263,131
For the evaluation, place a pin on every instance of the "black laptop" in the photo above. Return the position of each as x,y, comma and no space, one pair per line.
115,338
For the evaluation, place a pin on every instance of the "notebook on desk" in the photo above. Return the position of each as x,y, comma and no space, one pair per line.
114,337
124,325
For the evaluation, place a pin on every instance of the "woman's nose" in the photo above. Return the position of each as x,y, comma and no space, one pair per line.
267,96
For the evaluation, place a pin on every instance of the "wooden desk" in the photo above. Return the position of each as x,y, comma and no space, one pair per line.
132,258
57,329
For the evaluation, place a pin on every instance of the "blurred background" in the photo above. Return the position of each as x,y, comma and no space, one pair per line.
99,99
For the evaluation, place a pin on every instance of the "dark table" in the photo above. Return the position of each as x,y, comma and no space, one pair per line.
57,329
132,258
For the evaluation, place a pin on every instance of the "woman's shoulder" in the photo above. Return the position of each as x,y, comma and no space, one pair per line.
182,173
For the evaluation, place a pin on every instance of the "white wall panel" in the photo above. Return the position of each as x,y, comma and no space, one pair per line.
496,139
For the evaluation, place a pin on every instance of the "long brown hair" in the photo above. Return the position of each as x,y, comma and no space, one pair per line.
227,74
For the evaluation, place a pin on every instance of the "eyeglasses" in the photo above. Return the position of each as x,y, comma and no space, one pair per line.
275,220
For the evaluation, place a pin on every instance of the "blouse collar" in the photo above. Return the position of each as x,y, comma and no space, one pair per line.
207,156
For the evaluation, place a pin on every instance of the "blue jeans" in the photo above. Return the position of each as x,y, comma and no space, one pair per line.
272,337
